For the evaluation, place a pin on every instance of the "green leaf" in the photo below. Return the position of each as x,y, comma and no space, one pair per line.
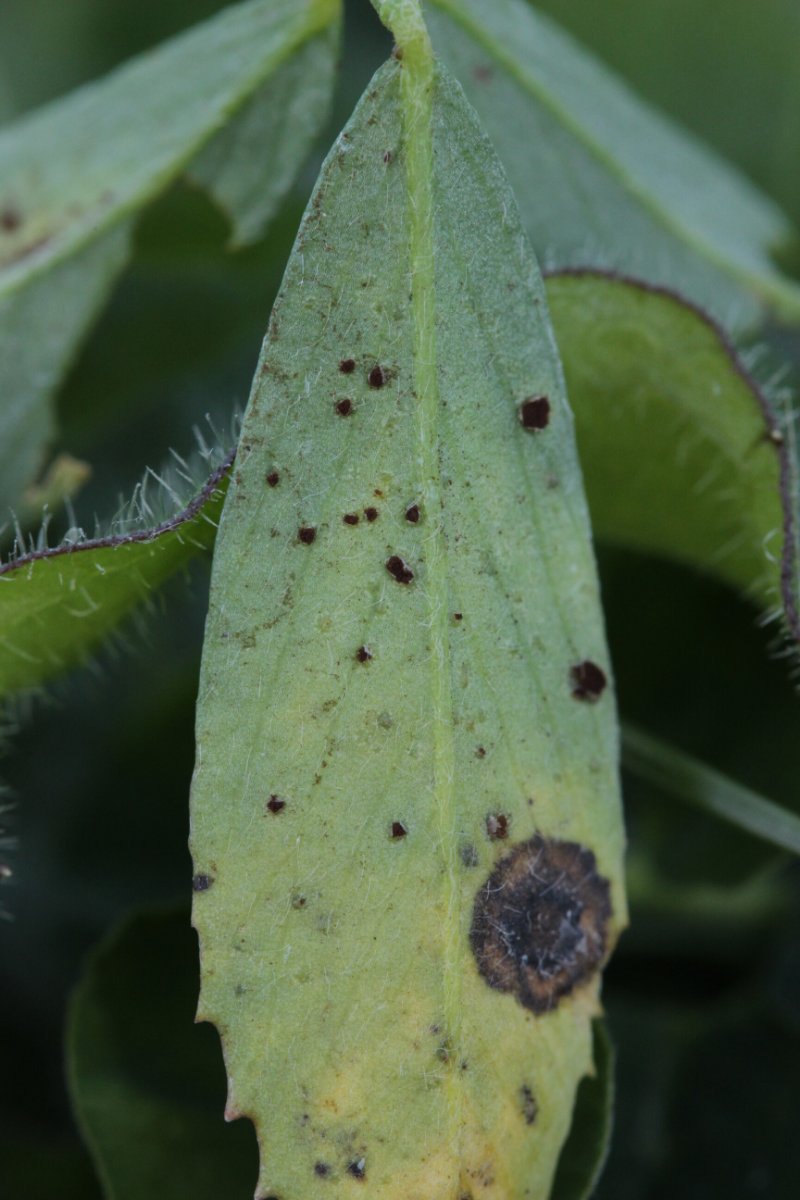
146,1085
252,163
682,453
40,326
399,755
603,180
750,111
585,1150
693,782
58,603
72,175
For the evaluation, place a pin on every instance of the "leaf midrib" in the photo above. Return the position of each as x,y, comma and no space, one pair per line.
417,83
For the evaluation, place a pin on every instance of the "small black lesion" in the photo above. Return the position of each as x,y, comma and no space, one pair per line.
344,407
469,855
534,413
363,654
413,514
377,376
399,830
371,513
399,569
10,219
322,1170
201,883
588,681
357,1168
307,534
347,366
540,922
497,826
275,805
273,479
530,1109
351,518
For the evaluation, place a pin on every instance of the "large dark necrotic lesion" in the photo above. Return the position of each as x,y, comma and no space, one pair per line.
539,927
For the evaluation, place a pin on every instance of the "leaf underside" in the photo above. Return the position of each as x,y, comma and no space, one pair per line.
394,705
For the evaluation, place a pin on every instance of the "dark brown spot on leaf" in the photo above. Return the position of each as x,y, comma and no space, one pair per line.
273,479
350,518
497,826
347,366
444,1051
480,751
371,514
201,883
534,413
412,513
398,830
10,219
387,156
322,1169
588,681
363,654
344,407
376,377
458,616
469,855
358,1168
306,534
298,901
399,569
540,922
275,804
529,1106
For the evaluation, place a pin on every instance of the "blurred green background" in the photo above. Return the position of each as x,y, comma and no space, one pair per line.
703,996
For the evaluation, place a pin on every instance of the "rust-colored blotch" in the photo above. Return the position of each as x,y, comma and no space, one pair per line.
540,922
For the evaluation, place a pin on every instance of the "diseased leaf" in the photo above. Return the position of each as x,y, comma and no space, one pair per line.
72,175
405,824
601,179
58,603
145,1083
682,453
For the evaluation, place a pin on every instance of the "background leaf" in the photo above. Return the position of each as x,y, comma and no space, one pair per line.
148,1086
58,604
74,172
683,454
586,1148
725,69
403,585
691,782
603,180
